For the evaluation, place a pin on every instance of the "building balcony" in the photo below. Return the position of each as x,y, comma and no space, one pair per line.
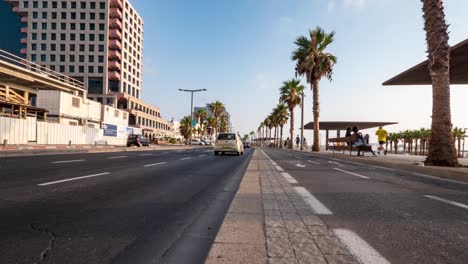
115,34
115,55
115,13
115,44
24,30
116,3
24,51
114,65
114,75
24,40
24,19
16,9
115,23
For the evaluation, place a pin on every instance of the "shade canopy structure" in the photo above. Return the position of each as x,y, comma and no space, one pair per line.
419,74
342,125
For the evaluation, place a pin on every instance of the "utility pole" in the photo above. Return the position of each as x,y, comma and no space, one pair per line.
191,110
302,121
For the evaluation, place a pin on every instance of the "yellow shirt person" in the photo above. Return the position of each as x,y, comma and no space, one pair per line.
381,135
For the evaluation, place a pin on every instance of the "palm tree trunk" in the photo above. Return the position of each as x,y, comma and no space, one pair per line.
274,139
316,113
281,136
441,147
459,147
291,128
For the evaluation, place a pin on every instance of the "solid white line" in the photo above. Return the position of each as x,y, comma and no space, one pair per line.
314,203
74,179
154,164
464,206
279,168
186,158
440,179
358,247
383,168
149,154
300,165
67,161
288,177
202,155
351,173
274,163
314,162
117,157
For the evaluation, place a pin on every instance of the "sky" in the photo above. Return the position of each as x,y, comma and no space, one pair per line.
240,51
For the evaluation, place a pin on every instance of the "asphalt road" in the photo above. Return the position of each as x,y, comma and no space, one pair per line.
128,207
404,217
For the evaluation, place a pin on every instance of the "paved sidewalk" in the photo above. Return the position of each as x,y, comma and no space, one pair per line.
269,221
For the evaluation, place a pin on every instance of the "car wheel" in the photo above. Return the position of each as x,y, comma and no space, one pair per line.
238,153
138,144
216,153
128,145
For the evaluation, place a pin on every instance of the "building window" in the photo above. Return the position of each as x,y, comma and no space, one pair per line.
52,67
71,69
91,58
53,36
62,47
101,59
63,26
53,47
54,26
72,26
81,69
26,4
101,37
82,16
34,25
75,102
52,57
73,15
92,5
64,4
71,58
100,69
102,5
72,36
95,85
82,47
82,37
73,5
43,57
92,26
63,36
91,48
44,25
114,86
109,101
43,47
91,37
33,57
35,4
102,16
90,69
54,4
81,58
44,36
34,46
62,58
83,5
44,15
72,47
64,15
92,16
101,26
44,4
82,26
62,68
34,36
116,113
101,48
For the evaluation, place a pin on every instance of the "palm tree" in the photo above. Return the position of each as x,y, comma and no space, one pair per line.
260,131
274,123
314,62
185,128
267,123
458,135
441,147
290,95
283,116
223,124
200,115
217,108
211,123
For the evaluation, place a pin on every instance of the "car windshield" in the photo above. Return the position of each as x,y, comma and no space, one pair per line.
227,137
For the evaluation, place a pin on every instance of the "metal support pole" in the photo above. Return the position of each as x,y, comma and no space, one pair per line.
302,121
191,119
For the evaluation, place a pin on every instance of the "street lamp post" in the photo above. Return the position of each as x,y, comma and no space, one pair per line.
191,109
302,121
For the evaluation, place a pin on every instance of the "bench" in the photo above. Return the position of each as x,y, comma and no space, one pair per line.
346,143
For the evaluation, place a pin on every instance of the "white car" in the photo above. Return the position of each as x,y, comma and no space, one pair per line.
228,143
197,142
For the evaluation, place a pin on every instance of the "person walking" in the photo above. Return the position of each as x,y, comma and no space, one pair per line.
298,141
382,138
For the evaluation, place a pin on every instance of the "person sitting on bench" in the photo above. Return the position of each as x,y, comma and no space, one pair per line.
362,142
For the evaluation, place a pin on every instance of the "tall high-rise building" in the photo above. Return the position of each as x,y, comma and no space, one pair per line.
98,42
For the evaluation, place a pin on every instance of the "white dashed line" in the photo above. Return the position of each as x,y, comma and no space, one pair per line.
186,158
274,163
67,161
357,246
300,165
74,179
313,162
202,155
279,168
149,154
313,202
464,206
288,177
352,173
440,179
117,157
298,157
155,164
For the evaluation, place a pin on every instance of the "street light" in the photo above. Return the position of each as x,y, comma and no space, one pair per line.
191,108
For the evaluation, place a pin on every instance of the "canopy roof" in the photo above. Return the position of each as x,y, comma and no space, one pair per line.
419,74
342,125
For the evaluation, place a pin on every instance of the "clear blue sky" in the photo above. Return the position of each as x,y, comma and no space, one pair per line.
240,51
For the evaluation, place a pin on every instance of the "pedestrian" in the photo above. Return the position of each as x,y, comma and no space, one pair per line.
348,134
382,138
304,142
298,141
362,142
286,142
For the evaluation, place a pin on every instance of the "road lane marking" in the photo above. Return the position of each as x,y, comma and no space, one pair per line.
74,179
117,157
313,202
298,157
380,167
440,179
154,164
149,154
274,163
464,206
313,162
358,247
67,161
279,168
334,162
202,155
186,158
300,165
352,173
288,177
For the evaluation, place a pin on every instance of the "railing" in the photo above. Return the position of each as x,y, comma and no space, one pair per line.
6,57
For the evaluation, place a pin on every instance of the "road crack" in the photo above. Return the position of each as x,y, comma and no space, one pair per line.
53,237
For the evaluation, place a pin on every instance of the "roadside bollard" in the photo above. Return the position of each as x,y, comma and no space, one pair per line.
69,143
5,142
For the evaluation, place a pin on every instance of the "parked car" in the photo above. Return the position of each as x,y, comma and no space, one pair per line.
197,142
137,140
246,144
228,143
